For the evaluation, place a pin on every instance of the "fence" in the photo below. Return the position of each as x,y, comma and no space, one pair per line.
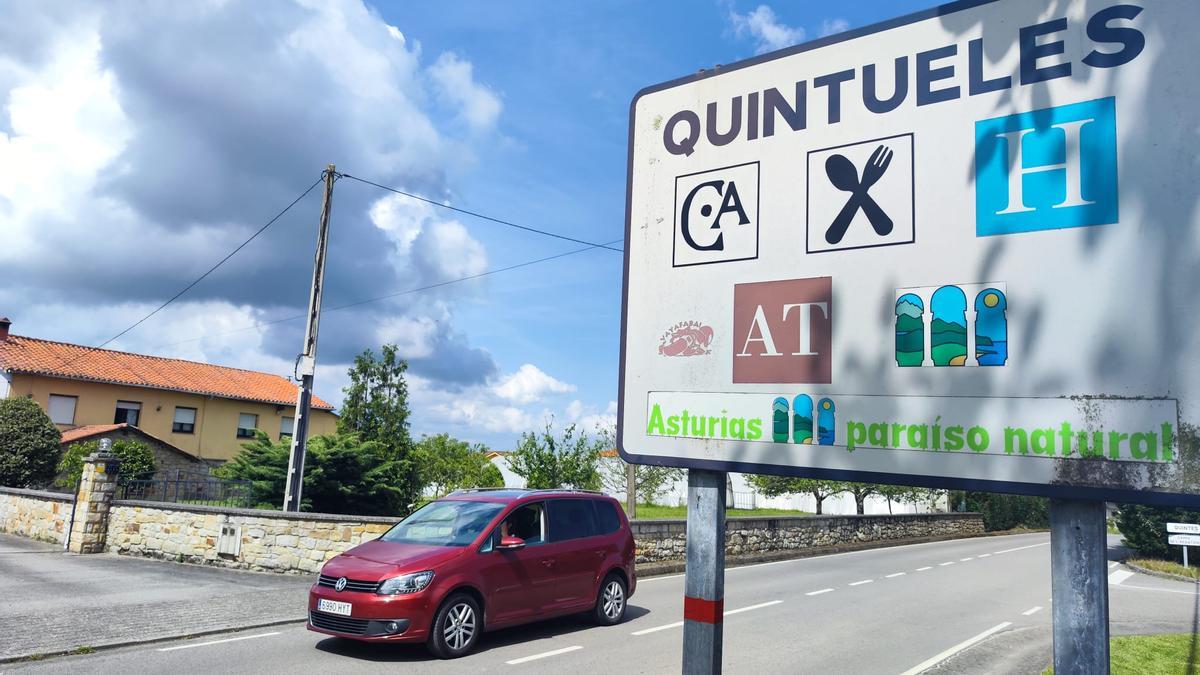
202,491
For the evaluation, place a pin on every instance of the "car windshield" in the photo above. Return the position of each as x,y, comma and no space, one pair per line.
445,523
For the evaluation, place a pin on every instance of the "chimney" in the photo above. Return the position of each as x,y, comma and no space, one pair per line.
4,324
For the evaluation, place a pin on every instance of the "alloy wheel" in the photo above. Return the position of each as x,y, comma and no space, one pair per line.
459,627
614,600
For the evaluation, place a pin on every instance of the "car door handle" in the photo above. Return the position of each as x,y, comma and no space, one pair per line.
548,562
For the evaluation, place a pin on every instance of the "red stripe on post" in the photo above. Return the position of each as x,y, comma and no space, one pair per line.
704,611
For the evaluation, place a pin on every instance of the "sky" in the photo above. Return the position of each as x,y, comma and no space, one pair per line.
140,143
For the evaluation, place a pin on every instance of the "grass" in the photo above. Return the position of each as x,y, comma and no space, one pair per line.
654,511
1168,567
1159,654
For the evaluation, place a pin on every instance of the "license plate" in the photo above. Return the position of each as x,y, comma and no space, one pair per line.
333,607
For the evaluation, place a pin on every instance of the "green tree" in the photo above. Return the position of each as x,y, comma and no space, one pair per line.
376,409
342,474
775,486
137,461
446,464
1005,512
1145,528
649,482
567,461
861,491
29,444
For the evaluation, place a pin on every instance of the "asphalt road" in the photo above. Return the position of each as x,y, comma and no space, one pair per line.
968,606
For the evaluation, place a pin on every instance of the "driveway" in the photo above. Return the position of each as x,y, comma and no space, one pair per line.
54,602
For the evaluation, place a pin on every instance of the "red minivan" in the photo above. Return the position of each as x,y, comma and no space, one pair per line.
480,560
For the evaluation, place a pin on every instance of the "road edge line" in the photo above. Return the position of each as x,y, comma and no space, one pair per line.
933,661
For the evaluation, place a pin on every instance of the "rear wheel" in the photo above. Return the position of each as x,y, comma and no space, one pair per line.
456,627
610,601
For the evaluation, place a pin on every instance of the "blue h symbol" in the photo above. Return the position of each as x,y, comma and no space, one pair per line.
1047,169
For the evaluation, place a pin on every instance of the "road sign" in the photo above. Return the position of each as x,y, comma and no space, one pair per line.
1184,540
950,250
1184,528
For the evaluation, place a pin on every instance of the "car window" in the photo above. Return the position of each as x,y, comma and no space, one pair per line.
607,520
571,519
447,523
527,522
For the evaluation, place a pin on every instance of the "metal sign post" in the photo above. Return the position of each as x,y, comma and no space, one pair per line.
915,253
1190,537
704,581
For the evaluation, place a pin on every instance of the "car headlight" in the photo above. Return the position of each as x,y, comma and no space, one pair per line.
406,583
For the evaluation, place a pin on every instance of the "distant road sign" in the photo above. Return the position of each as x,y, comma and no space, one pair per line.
1183,528
954,250
1184,540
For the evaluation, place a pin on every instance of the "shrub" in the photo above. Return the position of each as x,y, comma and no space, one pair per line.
137,461
1005,512
1145,529
29,444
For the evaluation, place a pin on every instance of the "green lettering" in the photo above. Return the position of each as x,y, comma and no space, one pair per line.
1168,443
737,427
1011,434
754,430
954,438
897,430
1097,449
877,435
918,441
1144,446
1114,444
856,432
712,426
673,425
977,438
1042,441
655,426
1065,434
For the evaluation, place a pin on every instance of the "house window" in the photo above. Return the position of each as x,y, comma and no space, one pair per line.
247,423
185,421
287,427
128,412
62,409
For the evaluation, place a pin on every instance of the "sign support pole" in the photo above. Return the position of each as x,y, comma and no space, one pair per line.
704,582
1079,584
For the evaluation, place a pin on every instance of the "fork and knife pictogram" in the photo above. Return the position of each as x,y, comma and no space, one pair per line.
844,176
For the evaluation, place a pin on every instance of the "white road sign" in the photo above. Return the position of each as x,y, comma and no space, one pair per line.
958,249
1183,528
1184,540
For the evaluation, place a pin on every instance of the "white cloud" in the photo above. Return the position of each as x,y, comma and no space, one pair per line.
441,248
454,81
414,337
530,384
766,29
831,26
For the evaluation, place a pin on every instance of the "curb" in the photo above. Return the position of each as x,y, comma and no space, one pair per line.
1161,575
39,656
676,566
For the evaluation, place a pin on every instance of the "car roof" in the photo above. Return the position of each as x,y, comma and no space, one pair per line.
510,495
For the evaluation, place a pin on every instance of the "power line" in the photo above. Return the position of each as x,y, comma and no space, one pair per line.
398,293
482,216
212,269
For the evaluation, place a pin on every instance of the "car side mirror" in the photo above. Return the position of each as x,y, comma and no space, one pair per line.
510,543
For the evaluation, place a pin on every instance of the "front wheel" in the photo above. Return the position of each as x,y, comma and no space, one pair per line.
610,601
456,627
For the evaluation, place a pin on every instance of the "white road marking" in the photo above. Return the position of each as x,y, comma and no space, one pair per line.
217,642
665,576
1160,590
922,569
985,555
945,563
823,590
677,624
897,574
1119,577
1021,548
1112,565
860,583
647,631
535,657
752,607
965,559
1031,612
929,663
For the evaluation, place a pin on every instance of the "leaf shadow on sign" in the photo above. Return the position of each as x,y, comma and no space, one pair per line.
1150,332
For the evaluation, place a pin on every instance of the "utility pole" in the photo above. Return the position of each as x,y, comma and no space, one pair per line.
306,363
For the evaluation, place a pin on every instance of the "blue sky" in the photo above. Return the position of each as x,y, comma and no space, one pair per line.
137,156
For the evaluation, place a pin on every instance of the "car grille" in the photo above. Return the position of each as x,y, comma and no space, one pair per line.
338,624
351,584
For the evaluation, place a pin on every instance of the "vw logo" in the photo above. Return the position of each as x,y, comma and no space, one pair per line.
340,585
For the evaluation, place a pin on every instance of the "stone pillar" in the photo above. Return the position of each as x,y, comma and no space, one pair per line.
89,526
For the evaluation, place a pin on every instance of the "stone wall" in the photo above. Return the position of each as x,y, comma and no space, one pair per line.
35,514
265,540
665,540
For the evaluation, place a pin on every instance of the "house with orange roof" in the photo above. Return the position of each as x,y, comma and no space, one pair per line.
206,410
